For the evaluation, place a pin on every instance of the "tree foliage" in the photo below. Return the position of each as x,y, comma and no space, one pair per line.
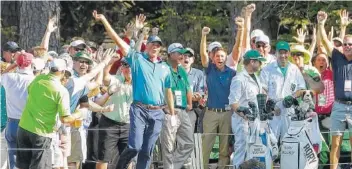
182,21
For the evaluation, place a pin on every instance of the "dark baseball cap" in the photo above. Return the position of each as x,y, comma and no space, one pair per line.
11,46
152,39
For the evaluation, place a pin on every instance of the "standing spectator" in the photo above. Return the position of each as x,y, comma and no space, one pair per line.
341,67
76,46
15,85
244,88
280,79
78,87
262,45
151,86
217,118
196,80
177,133
301,58
324,101
114,126
8,52
39,117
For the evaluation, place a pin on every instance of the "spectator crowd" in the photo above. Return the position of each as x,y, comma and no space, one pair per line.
89,107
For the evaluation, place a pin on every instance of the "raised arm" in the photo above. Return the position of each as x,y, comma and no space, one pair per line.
345,21
51,27
106,75
322,16
236,50
124,47
203,47
301,36
140,40
247,26
314,42
108,54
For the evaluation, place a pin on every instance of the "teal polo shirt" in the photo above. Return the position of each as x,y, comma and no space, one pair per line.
149,79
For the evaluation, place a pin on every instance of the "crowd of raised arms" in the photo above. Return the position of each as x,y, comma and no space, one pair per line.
89,107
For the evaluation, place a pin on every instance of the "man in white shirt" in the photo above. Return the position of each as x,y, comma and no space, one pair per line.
280,79
15,85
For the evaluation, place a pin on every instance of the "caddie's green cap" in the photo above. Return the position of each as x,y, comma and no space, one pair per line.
253,55
282,45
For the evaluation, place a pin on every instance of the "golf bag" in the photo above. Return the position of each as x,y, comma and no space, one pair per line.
297,151
262,143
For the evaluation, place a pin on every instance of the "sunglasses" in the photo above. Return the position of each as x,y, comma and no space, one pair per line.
83,62
78,49
297,54
347,44
125,65
261,46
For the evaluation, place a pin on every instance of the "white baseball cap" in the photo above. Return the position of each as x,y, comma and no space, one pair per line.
262,38
256,32
77,43
38,64
60,64
213,45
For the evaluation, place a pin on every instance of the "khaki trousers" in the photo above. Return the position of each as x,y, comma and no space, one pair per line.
216,122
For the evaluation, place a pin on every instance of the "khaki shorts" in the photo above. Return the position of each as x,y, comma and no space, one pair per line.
78,145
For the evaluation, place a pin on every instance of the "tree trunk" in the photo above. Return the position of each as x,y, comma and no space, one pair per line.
34,16
265,18
9,21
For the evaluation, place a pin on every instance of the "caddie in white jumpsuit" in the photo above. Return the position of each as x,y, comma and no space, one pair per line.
281,79
244,88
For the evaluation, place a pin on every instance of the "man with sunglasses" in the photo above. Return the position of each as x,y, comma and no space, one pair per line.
262,45
342,74
76,46
280,79
78,87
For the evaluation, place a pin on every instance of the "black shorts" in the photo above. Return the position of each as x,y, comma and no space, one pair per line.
33,150
113,138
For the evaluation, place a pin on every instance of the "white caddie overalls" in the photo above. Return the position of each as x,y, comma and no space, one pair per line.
278,87
243,89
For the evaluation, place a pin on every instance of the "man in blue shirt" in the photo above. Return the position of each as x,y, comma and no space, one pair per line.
151,82
217,118
342,69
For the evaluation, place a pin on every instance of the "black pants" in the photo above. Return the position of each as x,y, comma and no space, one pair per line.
113,139
92,142
33,150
